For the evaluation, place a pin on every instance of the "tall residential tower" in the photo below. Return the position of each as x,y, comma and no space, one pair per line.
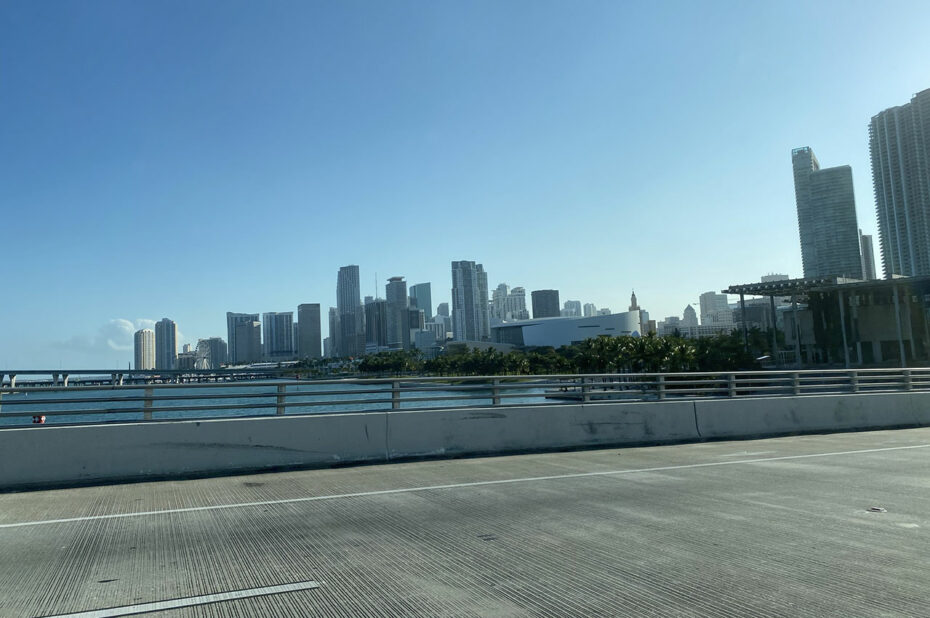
899,144
826,217
470,314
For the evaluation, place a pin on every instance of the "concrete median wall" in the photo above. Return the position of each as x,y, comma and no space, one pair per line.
37,456
771,416
60,456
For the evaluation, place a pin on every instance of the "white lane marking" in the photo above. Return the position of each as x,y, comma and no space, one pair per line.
129,610
405,490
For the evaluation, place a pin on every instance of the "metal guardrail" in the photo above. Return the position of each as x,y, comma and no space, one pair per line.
151,398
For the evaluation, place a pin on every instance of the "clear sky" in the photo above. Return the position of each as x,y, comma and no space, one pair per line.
184,159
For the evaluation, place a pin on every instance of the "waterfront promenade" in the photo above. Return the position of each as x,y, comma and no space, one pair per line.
774,527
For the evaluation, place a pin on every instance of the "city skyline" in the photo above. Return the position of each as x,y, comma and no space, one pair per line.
454,150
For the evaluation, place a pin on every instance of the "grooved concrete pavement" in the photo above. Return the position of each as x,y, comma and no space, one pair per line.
776,527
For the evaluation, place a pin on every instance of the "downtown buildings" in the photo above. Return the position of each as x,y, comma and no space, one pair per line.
470,311
166,344
826,217
899,146
144,348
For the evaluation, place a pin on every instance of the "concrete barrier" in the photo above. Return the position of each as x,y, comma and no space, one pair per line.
770,416
43,456
537,428
84,454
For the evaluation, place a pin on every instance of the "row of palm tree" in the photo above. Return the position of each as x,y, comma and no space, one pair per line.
649,354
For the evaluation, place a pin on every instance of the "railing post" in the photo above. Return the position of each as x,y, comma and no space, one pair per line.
908,384
280,400
731,384
854,381
660,387
395,395
147,404
496,392
796,383
585,390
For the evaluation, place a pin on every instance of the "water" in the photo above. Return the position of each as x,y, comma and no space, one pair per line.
262,402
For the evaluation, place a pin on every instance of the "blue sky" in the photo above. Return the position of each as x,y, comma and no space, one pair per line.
185,159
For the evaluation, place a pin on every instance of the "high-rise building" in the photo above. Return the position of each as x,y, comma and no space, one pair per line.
376,329
899,144
334,336
545,304
144,344
211,353
398,331
232,321
689,318
166,344
278,335
634,306
442,309
351,340
715,308
248,338
590,310
470,314
308,333
571,308
868,256
826,217
507,304
421,297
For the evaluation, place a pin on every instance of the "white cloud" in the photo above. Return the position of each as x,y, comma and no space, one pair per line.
115,335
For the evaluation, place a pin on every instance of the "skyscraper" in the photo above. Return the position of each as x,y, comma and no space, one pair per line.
715,309
232,321
144,344
308,333
398,331
545,303
278,335
899,145
470,315
376,323
166,344
421,297
509,304
248,338
572,308
826,217
351,340
868,256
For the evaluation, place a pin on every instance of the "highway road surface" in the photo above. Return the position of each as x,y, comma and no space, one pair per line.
817,525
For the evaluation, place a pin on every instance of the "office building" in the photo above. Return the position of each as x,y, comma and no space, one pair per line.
826,217
248,338
398,331
421,297
334,338
186,361
166,344
308,331
634,305
689,319
443,309
351,339
571,309
232,321
545,304
868,256
590,309
278,335
604,311
144,345
715,308
899,145
508,304
470,311
376,329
